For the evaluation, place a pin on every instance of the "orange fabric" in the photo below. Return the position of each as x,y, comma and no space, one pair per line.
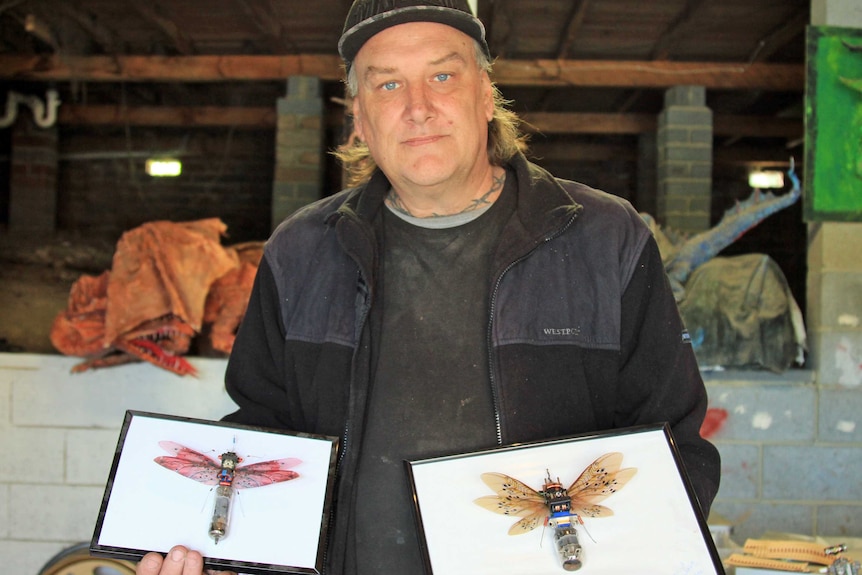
165,268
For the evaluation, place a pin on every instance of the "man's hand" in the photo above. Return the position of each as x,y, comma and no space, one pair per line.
179,561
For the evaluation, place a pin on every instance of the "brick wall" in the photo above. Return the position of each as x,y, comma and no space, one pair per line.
791,449
33,178
103,189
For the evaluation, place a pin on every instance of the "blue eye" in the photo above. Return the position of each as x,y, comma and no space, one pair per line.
442,77
390,85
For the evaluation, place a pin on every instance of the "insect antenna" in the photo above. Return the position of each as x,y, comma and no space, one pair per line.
206,499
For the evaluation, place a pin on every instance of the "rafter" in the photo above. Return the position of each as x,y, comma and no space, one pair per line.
780,36
152,12
565,152
164,116
661,50
103,37
502,26
265,19
576,20
541,122
723,125
641,74
545,73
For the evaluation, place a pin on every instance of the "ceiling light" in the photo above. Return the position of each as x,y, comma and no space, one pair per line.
763,179
164,167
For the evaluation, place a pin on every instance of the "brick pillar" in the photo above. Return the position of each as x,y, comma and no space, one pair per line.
685,160
33,177
298,147
834,291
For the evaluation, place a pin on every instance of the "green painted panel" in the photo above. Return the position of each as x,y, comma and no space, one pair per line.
833,124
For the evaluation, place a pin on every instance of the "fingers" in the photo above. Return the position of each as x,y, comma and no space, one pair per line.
149,564
179,561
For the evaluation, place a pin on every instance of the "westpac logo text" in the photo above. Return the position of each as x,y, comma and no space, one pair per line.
562,331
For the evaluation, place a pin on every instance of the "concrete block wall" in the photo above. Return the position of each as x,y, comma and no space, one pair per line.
791,449
791,454
835,302
59,432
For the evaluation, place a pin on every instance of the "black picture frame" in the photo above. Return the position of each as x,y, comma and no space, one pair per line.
276,527
656,524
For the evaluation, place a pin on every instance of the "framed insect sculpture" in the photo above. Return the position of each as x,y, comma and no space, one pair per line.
599,504
227,475
250,499
561,509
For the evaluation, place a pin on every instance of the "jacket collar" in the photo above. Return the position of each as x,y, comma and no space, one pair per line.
543,210
543,204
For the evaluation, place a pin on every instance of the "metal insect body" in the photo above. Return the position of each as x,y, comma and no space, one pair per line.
227,475
558,507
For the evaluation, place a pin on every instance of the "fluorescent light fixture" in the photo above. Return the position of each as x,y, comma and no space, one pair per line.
164,167
763,179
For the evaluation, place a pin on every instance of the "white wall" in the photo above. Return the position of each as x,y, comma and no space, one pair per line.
58,433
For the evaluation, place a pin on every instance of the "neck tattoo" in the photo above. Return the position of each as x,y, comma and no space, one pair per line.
393,200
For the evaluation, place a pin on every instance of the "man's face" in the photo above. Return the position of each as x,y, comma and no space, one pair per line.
423,106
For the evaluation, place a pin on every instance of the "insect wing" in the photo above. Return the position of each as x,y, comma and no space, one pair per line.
266,473
514,498
189,463
529,522
602,478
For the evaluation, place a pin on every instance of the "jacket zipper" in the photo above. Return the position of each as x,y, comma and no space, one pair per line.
330,520
346,433
495,396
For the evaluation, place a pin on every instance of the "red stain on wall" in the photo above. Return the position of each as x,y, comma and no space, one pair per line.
713,422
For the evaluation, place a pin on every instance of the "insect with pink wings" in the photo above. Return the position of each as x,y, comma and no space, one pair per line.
558,507
226,474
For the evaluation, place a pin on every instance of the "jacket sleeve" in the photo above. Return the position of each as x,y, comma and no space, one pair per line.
660,379
255,377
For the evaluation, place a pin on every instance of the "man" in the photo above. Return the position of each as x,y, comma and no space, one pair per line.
460,298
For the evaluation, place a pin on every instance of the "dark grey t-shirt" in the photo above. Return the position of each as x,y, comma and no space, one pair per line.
431,393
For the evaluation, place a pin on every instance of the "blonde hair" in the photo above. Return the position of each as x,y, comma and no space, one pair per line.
504,136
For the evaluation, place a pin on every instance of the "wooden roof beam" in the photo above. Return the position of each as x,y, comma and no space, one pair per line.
539,122
644,74
723,125
162,116
530,73
661,49
567,152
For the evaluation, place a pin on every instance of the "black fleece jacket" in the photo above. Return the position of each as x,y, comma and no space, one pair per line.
583,331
